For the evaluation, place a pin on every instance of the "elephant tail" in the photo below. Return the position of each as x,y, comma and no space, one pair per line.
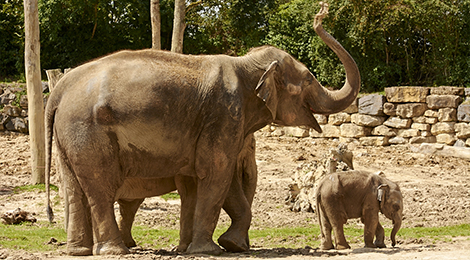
49,114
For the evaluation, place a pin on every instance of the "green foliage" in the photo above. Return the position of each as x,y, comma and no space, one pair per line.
171,196
35,187
31,237
231,27
394,42
12,38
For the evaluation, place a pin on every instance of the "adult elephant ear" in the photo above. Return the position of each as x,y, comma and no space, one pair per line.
266,88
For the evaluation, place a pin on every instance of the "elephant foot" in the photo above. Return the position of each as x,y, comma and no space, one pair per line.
342,247
370,245
209,248
130,243
326,246
79,250
182,247
110,249
380,244
233,243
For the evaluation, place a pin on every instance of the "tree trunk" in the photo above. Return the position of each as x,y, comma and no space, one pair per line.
178,26
34,89
156,24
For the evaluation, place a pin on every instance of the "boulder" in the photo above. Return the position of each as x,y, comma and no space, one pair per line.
446,138
321,119
390,109
339,118
367,120
440,101
446,90
384,131
410,110
447,114
397,122
406,94
354,131
371,105
463,112
443,128
374,140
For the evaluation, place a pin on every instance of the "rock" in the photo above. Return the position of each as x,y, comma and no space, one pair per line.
459,143
371,105
353,130
411,110
331,131
431,113
296,131
384,131
462,130
339,118
24,101
17,216
406,94
353,108
421,127
440,149
390,109
367,120
398,140
406,133
7,97
446,90
447,114
321,119
440,101
463,112
422,139
467,92
12,111
442,128
374,140
397,122
446,138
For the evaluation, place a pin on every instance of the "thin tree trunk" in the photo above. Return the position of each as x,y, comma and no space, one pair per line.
178,26
156,24
34,88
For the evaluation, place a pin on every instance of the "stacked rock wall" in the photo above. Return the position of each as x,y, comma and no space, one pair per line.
403,115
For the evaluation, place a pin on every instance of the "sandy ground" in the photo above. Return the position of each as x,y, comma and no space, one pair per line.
436,192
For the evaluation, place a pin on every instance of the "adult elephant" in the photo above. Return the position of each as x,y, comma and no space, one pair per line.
137,117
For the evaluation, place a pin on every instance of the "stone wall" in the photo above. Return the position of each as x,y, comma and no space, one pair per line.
404,115
14,107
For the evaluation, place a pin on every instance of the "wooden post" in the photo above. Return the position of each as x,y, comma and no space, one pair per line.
34,89
156,24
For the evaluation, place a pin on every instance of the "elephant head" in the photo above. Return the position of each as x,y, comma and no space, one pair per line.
391,205
293,94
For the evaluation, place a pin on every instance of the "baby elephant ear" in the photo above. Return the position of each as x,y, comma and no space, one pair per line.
266,88
381,193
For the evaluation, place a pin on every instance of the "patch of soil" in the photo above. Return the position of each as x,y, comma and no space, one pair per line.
435,188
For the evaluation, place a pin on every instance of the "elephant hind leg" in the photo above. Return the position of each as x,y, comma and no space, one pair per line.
128,208
78,216
325,228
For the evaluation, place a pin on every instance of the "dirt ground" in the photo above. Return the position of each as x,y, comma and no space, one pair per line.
436,192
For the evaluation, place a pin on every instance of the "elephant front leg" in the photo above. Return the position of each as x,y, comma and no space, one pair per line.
240,198
128,209
235,239
370,228
379,236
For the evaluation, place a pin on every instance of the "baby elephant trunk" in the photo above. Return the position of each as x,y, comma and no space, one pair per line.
396,227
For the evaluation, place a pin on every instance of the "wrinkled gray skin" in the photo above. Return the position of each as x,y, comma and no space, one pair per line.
235,239
128,124
355,194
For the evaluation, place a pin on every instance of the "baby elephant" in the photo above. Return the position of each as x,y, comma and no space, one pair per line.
356,194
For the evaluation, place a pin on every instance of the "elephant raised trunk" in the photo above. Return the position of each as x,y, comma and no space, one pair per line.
329,102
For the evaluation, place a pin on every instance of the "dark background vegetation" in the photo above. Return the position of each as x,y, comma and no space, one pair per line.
394,42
